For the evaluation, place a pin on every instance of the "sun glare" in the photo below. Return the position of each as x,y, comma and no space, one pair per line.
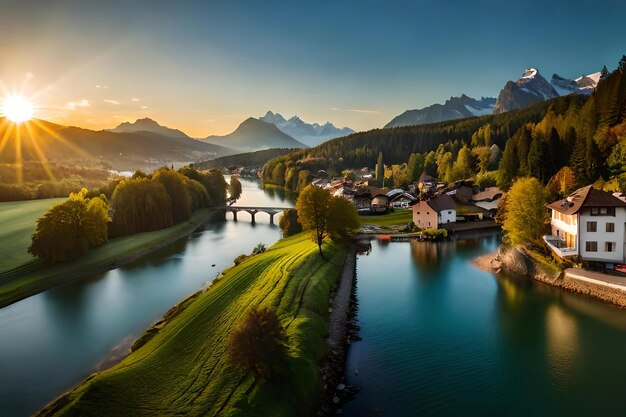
17,108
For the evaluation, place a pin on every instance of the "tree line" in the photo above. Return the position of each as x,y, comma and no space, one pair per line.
125,206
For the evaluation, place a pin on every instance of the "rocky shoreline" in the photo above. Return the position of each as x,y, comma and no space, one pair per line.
342,330
516,261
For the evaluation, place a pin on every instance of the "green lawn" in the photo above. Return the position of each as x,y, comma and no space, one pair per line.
397,217
182,369
36,277
17,224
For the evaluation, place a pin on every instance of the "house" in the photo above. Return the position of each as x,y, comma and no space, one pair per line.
590,223
462,191
398,198
380,203
427,184
432,213
488,200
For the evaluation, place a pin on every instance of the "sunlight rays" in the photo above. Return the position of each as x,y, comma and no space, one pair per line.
40,155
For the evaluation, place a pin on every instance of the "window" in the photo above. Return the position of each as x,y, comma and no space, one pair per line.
592,226
591,246
609,246
610,227
603,211
449,211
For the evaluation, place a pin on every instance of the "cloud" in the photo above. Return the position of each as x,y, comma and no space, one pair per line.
114,102
144,107
356,110
134,99
102,86
73,105
29,75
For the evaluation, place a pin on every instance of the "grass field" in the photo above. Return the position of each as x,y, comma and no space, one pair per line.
397,217
32,278
17,224
182,370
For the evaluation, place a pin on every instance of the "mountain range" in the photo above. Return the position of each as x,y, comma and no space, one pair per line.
530,88
307,133
454,108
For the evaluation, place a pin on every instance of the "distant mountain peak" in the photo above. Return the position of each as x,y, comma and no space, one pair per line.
311,134
530,88
454,108
255,134
147,124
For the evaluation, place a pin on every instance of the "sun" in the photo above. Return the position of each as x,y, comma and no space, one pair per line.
17,108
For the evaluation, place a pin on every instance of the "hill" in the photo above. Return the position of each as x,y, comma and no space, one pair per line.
254,135
39,140
148,125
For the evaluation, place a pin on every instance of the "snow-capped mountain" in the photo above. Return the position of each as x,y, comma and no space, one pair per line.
454,108
530,88
307,133
581,85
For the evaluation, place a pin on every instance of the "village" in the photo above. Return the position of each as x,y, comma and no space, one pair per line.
588,226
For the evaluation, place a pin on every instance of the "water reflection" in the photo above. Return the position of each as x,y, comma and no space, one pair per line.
562,345
442,338
50,341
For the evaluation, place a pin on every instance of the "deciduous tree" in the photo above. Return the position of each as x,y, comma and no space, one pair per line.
526,217
71,228
289,224
234,189
259,343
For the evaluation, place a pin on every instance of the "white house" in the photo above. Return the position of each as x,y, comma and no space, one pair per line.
430,214
590,223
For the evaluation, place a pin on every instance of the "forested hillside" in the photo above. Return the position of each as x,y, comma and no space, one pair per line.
586,136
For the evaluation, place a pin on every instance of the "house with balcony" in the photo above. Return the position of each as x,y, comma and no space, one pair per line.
590,223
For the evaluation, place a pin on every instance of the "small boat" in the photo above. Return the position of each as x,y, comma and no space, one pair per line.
621,268
384,238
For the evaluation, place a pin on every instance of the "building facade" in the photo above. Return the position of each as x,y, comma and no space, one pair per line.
432,213
590,223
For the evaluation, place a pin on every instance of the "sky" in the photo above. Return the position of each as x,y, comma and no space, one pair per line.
205,66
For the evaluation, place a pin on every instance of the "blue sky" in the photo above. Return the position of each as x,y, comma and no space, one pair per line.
205,66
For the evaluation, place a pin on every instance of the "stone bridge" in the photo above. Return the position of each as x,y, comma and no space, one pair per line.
271,211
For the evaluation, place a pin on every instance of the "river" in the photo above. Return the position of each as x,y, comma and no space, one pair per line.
442,338
53,340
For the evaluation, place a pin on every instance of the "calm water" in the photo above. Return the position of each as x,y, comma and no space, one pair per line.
442,338
51,341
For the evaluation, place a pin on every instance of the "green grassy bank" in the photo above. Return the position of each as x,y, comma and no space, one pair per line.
396,218
17,225
33,277
181,369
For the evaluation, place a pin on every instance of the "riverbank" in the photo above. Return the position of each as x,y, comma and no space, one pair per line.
36,277
342,330
179,365
596,285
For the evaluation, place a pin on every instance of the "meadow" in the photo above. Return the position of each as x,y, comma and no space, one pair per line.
181,367
17,224
23,275
395,218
